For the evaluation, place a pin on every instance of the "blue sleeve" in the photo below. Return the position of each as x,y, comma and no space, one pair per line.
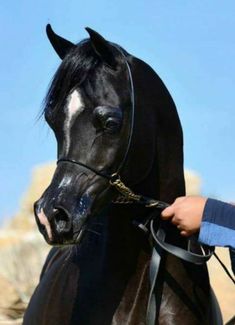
218,224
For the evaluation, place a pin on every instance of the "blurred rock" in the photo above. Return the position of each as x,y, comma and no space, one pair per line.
22,250
41,177
10,296
193,182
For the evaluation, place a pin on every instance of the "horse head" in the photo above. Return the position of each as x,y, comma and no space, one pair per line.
101,128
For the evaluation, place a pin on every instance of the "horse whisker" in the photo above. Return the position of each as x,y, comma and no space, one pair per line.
93,231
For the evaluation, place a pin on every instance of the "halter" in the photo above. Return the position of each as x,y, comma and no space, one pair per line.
127,195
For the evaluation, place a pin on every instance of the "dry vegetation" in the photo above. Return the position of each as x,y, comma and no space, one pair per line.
23,251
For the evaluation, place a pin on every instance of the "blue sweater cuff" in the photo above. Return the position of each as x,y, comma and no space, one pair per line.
218,224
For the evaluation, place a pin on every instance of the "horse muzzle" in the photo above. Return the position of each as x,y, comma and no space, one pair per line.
58,225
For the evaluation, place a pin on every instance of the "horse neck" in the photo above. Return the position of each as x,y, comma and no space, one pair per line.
113,242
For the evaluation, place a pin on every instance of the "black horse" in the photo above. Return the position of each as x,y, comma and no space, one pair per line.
112,117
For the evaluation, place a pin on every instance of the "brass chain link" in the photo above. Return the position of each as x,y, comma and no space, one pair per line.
123,189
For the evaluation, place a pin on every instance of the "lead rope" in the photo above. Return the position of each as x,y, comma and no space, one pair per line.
225,268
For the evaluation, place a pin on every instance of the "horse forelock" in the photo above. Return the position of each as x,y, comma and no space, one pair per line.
78,66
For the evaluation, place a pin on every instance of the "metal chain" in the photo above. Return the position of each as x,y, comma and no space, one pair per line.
123,189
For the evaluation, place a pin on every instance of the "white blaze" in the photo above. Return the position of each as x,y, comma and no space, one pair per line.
74,108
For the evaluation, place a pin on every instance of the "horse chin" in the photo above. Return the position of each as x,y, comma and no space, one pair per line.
72,237
77,237
76,240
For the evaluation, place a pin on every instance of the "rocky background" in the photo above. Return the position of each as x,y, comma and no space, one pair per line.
23,251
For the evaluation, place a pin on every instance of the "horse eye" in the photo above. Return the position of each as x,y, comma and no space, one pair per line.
112,125
107,119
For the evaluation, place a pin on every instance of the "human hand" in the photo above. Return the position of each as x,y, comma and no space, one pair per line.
186,213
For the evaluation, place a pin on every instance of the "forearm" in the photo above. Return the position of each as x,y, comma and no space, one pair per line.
218,224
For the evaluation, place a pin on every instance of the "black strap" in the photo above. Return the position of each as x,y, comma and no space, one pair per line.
159,236
153,305
157,279
72,161
225,268
231,321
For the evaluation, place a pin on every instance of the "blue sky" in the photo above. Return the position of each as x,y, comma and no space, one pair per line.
191,45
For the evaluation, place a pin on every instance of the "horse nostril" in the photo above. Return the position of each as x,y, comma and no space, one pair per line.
62,220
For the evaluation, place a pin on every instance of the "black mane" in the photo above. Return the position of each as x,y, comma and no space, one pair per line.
73,71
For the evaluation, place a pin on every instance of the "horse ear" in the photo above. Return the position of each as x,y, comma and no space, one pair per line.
60,45
102,48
